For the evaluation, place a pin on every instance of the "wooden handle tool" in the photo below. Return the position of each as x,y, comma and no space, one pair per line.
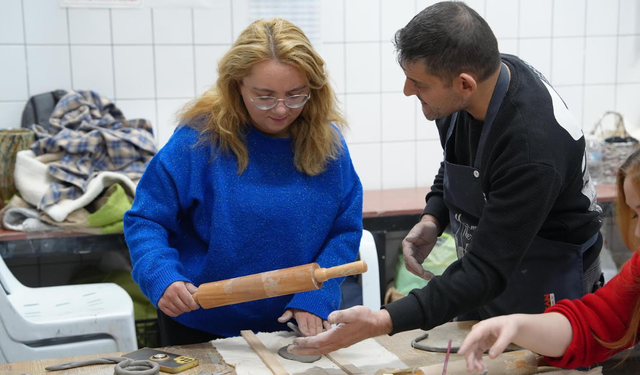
521,362
271,284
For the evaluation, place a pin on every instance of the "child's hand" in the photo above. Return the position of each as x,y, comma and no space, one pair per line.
495,333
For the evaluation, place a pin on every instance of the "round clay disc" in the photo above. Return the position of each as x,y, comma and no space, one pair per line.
300,358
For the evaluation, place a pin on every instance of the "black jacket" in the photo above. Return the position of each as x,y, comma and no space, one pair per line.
536,183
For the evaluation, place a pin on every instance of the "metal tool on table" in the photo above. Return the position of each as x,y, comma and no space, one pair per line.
446,358
271,284
124,366
140,362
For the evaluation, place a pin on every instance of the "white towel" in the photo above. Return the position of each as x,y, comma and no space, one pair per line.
32,181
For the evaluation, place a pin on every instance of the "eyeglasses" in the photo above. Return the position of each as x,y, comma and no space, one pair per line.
267,102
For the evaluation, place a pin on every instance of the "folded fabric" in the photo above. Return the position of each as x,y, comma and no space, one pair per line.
94,137
25,219
109,216
33,180
74,222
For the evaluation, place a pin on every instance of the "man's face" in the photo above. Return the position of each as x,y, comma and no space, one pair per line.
437,99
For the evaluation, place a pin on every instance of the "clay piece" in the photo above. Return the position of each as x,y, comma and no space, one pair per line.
300,358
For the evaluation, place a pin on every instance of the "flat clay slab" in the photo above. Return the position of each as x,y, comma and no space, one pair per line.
299,358
438,339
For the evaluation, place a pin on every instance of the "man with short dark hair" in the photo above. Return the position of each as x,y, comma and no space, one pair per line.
513,186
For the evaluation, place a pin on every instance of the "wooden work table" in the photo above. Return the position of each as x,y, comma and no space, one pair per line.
210,361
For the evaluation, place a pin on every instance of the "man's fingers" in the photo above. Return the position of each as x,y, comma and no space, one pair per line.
427,275
304,346
412,265
343,316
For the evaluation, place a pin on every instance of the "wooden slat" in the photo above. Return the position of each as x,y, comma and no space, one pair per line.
344,364
265,355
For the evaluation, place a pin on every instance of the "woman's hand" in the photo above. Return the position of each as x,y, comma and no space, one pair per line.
308,324
177,299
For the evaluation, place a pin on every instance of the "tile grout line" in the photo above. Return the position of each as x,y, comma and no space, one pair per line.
615,91
26,54
415,122
379,93
193,46
113,55
155,76
69,46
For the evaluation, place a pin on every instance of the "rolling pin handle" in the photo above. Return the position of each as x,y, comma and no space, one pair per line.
353,268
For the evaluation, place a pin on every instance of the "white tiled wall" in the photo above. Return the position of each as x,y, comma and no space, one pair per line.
151,61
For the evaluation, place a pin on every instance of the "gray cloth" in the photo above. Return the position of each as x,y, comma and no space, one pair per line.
25,219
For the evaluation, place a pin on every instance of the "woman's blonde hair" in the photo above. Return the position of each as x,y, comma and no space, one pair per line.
220,113
626,220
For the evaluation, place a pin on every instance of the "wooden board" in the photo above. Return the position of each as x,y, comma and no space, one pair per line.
267,357
344,364
522,362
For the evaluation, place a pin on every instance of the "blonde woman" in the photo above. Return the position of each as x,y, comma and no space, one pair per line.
256,178
581,332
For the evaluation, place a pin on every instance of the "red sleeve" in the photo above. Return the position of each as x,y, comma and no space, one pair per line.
605,314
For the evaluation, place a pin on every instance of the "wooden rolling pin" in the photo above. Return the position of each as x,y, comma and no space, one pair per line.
271,284
521,362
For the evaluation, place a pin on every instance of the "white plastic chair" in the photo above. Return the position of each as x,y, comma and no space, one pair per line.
371,278
62,321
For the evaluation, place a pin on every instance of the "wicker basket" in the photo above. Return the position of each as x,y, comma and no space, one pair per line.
11,141
617,145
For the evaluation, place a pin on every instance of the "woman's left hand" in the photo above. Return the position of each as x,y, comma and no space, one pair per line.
308,324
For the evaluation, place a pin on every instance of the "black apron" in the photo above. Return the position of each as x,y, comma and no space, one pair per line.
550,270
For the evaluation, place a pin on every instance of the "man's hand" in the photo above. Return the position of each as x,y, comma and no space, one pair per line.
418,244
308,323
177,299
353,325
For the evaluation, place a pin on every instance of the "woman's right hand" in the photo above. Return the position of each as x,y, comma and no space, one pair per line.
177,299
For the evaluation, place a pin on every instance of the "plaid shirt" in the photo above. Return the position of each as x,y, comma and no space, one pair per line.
93,136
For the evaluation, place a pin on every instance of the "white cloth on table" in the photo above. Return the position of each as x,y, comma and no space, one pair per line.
367,355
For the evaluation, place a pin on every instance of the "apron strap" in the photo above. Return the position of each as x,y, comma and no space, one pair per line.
496,100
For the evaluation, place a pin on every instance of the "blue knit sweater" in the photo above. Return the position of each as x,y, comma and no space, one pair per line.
195,219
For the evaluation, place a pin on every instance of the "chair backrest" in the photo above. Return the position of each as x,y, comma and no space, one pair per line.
8,282
371,278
